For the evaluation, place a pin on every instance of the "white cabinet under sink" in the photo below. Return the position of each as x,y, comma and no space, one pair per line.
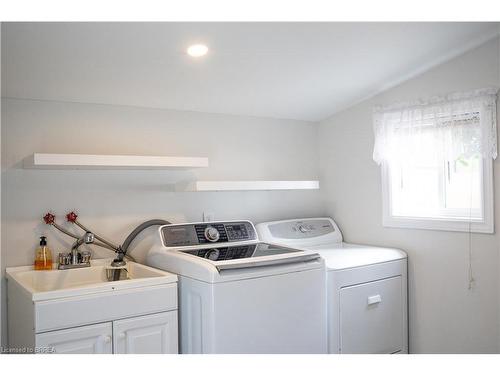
93,339
138,315
151,334
148,334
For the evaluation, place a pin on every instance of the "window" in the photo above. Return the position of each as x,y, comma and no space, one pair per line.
436,160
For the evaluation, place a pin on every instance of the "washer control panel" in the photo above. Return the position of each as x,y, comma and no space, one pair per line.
193,234
210,232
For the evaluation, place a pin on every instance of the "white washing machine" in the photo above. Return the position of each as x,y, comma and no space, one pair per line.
238,295
367,308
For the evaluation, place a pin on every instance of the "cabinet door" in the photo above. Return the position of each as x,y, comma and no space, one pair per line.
149,334
92,339
371,317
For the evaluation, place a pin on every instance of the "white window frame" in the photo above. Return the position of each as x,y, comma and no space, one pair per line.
486,225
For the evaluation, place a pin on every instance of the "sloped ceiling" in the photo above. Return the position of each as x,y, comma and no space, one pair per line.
303,71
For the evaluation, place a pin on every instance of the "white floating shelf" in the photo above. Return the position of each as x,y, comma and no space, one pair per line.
85,161
246,185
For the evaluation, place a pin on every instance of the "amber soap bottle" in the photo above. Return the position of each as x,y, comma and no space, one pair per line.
43,256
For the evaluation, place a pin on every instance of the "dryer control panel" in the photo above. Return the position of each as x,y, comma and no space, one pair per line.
193,234
304,230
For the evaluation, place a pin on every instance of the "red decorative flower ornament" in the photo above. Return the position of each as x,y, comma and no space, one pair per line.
71,217
49,218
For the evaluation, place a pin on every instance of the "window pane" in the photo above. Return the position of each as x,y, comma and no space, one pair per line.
463,186
416,191
425,184
416,181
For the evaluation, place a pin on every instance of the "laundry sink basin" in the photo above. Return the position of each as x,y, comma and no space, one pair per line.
63,283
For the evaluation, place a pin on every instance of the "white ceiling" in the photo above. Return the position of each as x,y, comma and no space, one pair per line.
304,71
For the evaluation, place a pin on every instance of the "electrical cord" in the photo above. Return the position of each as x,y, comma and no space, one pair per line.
470,271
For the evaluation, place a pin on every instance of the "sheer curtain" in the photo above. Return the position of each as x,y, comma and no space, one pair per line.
459,125
435,150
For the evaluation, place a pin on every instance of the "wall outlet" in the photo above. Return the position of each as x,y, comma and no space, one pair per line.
208,216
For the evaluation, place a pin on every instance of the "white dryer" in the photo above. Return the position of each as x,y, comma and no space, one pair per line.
367,308
238,295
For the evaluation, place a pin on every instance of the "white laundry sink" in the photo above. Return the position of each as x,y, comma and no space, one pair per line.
42,285
79,311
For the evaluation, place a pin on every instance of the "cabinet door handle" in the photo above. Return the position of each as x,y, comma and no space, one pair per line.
374,299
121,336
107,339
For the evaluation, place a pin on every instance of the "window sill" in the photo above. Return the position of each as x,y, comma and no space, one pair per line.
453,225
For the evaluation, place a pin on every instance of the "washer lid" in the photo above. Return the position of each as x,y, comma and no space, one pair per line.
270,260
218,254
248,256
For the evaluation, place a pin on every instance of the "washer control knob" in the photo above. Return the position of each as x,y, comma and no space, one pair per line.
303,229
212,254
212,234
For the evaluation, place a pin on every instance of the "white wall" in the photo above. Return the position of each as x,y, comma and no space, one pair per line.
114,202
444,315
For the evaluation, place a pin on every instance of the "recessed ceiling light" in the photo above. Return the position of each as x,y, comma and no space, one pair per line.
197,50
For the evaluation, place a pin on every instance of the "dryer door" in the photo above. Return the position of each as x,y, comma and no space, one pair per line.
371,317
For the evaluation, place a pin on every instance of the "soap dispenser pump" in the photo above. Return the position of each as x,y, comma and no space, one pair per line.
43,256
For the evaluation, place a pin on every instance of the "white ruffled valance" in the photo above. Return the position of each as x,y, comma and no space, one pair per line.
456,125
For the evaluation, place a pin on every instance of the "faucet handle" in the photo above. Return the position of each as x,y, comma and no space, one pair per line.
86,256
64,259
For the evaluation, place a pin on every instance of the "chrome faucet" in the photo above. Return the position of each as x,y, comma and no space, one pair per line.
88,238
75,258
